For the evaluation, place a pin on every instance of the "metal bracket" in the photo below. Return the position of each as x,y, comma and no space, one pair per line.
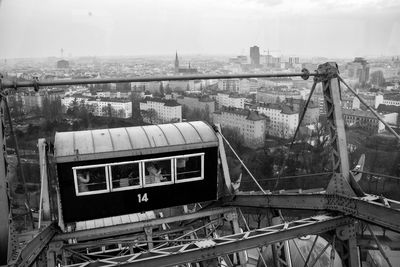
326,72
230,216
345,232
35,84
306,74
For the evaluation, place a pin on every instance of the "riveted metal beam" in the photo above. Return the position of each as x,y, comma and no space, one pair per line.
130,228
212,248
360,208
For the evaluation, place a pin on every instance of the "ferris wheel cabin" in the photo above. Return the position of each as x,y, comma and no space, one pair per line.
111,172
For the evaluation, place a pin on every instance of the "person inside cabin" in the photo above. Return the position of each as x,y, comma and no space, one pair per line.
181,168
83,180
133,177
154,174
123,182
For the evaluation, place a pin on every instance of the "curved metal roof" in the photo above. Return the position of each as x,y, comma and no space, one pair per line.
131,141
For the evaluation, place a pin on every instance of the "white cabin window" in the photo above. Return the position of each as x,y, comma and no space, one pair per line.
90,180
189,168
158,172
125,176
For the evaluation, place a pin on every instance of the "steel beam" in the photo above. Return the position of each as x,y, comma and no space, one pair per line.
36,83
367,242
44,206
347,248
212,248
369,211
331,92
224,163
5,218
129,228
28,254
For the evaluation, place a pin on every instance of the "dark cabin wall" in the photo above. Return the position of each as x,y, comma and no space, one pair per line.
80,208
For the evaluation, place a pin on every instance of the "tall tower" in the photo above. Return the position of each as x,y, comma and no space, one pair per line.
255,55
176,63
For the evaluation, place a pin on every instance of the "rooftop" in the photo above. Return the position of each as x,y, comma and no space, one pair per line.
130,141
285,109
167,102
250,115
359,113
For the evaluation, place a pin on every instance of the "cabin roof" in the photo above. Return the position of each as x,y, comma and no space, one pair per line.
131,141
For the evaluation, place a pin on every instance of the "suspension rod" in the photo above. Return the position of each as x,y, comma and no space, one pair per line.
36,83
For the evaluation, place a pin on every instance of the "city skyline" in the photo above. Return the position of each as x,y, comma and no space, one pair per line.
306,28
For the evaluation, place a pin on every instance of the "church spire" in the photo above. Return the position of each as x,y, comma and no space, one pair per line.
176,62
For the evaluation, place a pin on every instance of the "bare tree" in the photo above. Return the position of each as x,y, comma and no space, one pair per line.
149,115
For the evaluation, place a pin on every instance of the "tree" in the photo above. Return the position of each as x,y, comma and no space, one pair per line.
321,149
107,110
73,108
235,139
135,99
149,115
162,90
121,113
168,90
16,107
52,109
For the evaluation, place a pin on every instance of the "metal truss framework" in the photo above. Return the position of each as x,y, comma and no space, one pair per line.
117,230
330,89
32,249
366,209
211,248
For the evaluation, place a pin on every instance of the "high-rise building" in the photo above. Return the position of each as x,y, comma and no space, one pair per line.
293,61
255,55
176,62
359,70
62,64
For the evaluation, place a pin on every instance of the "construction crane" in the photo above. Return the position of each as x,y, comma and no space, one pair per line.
268,51
191,238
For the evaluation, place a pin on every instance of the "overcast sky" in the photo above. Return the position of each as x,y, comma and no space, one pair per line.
345,28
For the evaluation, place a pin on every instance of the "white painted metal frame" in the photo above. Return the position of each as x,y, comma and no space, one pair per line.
142,176
125,187
143,162
190,179
94,192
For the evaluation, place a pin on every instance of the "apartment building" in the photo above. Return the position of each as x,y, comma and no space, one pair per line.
226,99
250,124
165,110
283,119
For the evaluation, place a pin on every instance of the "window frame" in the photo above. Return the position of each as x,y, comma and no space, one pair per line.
189,179
142,174
112,189
95,192
143,162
